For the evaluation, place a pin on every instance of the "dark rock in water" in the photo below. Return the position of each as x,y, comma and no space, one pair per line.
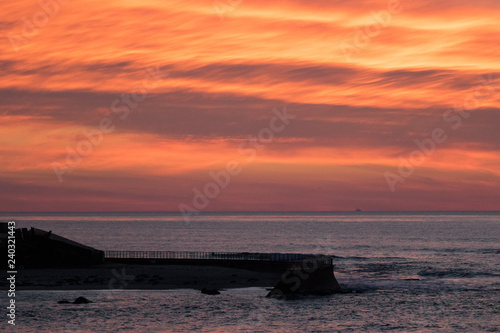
210,291
315,278
81,300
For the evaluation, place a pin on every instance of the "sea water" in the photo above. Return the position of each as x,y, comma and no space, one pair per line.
409,272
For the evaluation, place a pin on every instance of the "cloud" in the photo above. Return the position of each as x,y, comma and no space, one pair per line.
221,81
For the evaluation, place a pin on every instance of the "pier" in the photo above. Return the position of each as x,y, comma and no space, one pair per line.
298,273
269,262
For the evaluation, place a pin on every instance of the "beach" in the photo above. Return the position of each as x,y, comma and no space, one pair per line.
142,277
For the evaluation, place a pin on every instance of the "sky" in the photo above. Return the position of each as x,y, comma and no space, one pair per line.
238,105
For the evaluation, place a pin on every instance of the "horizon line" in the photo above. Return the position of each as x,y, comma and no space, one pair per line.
258,211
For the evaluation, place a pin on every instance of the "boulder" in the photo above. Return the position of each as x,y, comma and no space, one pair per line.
299,280
81,300
210,291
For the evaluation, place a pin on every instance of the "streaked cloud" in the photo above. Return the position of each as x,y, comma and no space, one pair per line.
354,119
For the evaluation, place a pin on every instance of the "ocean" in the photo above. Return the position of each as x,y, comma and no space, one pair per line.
409,272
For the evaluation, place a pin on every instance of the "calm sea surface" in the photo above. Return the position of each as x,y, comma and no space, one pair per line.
414,272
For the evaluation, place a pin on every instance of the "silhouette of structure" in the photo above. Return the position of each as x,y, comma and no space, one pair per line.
302,274
262,262
37,248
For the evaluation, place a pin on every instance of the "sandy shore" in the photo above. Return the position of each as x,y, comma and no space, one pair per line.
121,276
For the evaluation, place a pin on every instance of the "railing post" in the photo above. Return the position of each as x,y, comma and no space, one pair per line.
321,260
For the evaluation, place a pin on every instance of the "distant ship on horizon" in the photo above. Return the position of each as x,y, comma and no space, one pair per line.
358,210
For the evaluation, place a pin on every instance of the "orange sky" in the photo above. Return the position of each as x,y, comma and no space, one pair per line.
364,80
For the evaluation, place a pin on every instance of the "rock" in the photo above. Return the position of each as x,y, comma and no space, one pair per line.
302,280
210,291
81,300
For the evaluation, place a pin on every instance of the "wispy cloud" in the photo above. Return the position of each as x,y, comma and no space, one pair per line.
353,118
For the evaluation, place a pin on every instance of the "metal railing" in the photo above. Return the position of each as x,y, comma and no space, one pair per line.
281,257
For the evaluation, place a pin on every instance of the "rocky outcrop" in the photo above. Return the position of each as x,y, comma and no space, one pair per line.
311,278
79,300
207,291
